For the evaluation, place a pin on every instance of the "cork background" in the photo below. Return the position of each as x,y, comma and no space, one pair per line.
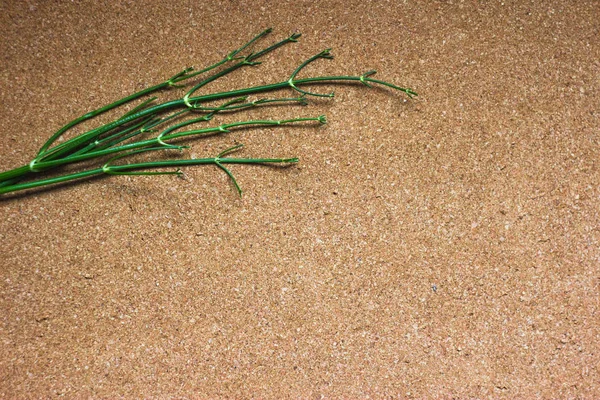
441,247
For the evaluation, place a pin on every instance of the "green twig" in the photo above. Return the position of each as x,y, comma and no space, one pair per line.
128,135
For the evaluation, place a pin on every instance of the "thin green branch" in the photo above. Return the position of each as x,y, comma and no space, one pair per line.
292,82
135,169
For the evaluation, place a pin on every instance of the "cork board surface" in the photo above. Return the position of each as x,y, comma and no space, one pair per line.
441,247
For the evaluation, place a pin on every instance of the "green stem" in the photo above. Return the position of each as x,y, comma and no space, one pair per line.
122,169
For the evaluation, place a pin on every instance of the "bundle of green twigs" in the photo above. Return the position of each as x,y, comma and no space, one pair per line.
114,142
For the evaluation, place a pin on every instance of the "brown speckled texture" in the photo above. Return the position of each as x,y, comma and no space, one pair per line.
442,247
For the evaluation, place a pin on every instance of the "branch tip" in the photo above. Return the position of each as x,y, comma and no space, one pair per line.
229,150
326,54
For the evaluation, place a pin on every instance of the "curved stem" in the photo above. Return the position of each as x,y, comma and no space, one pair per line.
97,112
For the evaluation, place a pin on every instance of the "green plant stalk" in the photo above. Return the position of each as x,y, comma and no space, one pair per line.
109,138
129,169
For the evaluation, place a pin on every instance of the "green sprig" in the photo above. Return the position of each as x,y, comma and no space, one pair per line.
127,135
